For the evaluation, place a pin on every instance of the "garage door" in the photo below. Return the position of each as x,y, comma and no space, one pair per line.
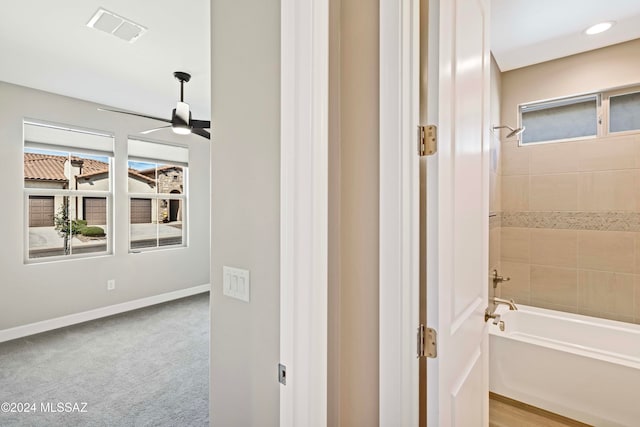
95,210
40,211
140,211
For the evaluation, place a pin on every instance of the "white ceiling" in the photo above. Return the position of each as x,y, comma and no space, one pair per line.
47,45
525,32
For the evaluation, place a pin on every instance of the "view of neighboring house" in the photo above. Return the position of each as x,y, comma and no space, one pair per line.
168,180
48,171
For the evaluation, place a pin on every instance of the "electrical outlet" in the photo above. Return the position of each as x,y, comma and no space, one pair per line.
111,284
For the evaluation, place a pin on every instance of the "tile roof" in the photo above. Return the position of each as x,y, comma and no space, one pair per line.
48,167
44,167
152,171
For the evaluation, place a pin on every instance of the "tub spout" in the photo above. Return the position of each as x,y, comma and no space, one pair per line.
496,319
509,302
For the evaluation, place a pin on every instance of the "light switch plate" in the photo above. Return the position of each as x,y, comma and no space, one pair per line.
236,283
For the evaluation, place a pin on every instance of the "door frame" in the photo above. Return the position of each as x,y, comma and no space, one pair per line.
304,125
399,211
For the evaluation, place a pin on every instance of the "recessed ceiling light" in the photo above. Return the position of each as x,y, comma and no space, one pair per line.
598,28
116,25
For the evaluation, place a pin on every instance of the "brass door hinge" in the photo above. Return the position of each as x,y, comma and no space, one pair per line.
427,342
427,140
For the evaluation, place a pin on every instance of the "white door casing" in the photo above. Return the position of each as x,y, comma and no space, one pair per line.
304,211
399,213
457,291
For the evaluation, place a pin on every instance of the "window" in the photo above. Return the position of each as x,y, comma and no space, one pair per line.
588,116
157,195
559,120
624,112
67,191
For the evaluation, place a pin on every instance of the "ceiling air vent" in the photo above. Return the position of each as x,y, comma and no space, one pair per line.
116,25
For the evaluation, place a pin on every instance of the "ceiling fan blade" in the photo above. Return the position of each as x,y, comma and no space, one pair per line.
201,124
203,133
135,114
155,129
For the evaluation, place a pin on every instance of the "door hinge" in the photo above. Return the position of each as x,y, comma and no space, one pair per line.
427,140
427,342
282,374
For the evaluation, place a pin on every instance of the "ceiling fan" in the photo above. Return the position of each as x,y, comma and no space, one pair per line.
181,121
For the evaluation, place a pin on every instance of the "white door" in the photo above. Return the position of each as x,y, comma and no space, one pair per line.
457,202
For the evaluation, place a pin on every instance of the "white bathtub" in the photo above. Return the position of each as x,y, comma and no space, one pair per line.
581,367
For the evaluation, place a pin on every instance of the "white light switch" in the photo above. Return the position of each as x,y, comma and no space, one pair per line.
236,283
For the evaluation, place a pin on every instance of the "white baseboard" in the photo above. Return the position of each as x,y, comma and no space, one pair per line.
72,319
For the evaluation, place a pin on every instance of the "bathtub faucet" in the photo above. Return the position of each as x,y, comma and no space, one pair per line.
496,319
509,302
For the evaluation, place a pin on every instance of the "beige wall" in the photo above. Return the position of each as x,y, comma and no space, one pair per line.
245,214
609,67
354,145
580,251
136,185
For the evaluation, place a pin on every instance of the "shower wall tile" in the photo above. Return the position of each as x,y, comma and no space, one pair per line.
515,161
608,191
515,244
606,292
573,220
607,250
557,248
570,225
495,193
495,263
515,193
494,249
553,158
636,141
551,306
518,287
607,154
609,316
497,197
554,285
493,180
636,305
558,192
637,253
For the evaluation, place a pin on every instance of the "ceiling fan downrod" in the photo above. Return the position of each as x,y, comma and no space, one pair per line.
182,77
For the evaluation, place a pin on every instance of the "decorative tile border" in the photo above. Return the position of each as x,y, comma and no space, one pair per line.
495,220
572,220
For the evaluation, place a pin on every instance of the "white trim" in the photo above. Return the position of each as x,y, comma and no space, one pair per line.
72,319
303,211
399,212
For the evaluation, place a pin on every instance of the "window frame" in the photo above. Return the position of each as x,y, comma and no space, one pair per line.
603,113
559,102
28,192
183,197
607,99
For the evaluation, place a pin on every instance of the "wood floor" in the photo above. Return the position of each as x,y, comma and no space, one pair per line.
504,412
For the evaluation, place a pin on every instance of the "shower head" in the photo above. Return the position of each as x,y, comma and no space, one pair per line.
514,132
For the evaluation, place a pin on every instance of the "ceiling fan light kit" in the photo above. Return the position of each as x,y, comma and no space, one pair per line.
181,122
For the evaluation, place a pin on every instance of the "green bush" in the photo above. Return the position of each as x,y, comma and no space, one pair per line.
92,231
80,223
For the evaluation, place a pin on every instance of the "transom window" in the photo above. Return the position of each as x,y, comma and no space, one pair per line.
580,117
624,112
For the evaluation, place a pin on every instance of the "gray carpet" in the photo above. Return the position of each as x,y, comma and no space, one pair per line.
148,367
